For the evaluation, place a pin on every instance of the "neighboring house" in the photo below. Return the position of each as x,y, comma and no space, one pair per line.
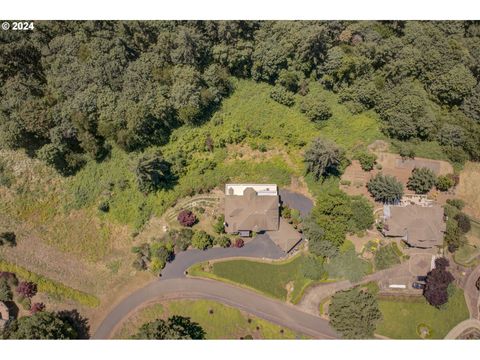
256,208
251,208
419,226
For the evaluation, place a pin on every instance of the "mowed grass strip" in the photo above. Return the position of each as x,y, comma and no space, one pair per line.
219,321
401,318
269,278
51,287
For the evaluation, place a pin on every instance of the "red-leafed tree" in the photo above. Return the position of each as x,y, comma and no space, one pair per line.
437,283
186,218
37,307
27,289
238,243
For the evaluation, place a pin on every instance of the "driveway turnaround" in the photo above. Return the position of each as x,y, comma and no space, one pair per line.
296,201
269,309
260,247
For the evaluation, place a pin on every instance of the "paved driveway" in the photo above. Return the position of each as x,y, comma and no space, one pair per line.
296,201
272,310
260,247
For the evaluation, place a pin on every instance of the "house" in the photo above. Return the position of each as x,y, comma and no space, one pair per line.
417,225
251,208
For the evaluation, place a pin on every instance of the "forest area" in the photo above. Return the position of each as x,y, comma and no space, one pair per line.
72,90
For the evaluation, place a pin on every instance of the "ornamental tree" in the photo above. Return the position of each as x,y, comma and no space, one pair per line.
422,180
385,188
186,218
354,313
437,283
27,289
324,158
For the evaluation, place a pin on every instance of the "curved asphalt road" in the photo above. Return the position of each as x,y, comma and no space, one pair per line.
269,309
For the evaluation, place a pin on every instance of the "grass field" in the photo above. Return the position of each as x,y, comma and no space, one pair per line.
467,255
223,323
401,318
272,279
467,189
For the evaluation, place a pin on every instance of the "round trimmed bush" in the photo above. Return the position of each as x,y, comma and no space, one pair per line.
187,218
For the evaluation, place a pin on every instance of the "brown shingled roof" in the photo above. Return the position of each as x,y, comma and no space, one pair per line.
419,226
251,212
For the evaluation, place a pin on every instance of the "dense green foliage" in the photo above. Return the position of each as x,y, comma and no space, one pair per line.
387,256
385,188
71,89
421,181
6,293
334,215
354,313
367,160
174,328
347,265
201,240
42,326
312,268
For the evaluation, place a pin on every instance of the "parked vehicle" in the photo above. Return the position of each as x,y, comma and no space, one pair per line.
421,278
417,285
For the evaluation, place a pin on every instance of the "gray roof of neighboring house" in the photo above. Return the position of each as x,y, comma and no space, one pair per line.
420,226
251,211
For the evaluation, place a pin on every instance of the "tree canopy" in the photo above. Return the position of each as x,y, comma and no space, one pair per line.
324,158
174,328
354,313
385,188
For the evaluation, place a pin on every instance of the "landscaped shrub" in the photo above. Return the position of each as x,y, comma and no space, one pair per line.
181,239
5,290
8,238
201,240
25,302
37,307
219,226
367,160
463,222
458,203
444,182
282,96
386,256
421,181
27,289
406,151
187,218
385,188
438,280
51,287
239,243
223,241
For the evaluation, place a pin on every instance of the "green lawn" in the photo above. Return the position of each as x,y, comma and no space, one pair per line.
467,255
223,323
401,318
268,278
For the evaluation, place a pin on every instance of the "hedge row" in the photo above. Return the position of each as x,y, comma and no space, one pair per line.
49,286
